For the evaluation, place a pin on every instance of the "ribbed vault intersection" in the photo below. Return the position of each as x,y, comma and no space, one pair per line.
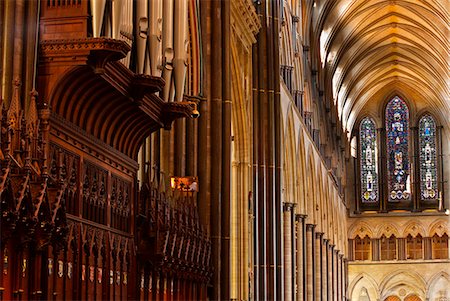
372,50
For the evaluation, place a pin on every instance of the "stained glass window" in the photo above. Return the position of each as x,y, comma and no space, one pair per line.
397,134
368,163
428,159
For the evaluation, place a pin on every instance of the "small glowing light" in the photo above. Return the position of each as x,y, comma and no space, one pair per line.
447,211
314,5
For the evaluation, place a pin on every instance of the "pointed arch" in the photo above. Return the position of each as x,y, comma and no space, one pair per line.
414,228
387,229
438,227
406,278
363,280
438,286
360,228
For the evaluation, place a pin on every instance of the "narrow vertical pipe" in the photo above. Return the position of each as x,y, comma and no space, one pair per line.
255,170
273,292
31,49
262,225
180,42
8,49
226,150
167,46
216,147
204,143
277,128
2,47
18,39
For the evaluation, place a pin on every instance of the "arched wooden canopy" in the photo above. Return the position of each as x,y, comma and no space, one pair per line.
86,86
374,49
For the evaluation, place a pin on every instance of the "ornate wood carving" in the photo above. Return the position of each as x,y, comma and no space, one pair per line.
120,204
170,222
94,193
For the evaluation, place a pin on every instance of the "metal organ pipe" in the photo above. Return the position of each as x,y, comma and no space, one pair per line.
98,11
168,10
126,26
116,17
154,38
180,43
141,36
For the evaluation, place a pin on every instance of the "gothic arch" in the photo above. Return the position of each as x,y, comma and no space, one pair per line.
387,229
414,228
402,278
362,229
366,281
438,227
438,285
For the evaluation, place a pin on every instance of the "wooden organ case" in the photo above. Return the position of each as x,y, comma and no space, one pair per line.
75,224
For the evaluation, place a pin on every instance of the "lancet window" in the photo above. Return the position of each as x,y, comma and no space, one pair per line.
397,136
403,171
428,158
368,163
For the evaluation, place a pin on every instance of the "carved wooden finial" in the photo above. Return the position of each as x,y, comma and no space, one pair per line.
32,115
14,107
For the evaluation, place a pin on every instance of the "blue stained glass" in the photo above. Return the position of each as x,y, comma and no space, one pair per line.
428,159
368,161
397,135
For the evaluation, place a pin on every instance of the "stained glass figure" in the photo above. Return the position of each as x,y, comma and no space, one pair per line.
368,160
397,134
428,158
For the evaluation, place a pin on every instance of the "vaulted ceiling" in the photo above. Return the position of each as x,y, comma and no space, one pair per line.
374,49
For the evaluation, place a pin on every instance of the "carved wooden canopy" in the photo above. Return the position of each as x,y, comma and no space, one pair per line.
85,84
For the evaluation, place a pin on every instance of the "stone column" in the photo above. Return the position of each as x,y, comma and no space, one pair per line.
301,257
336,274
318,265
310,262
332,286
325,269
287,242
329,272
